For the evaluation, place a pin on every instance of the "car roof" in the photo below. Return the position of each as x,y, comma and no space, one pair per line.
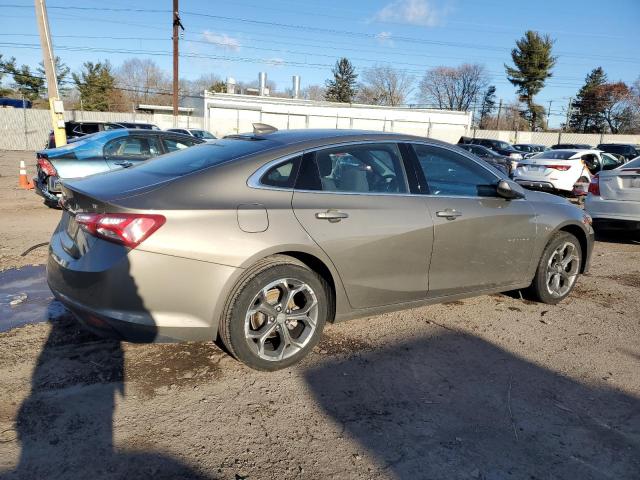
328,136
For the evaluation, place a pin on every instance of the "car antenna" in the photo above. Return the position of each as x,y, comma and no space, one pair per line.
262,128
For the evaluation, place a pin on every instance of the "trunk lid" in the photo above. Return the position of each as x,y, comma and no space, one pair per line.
620,184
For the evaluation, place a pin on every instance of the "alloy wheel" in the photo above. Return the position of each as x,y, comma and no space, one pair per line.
281,319
562,269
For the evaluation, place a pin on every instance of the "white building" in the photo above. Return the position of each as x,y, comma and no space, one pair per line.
225,114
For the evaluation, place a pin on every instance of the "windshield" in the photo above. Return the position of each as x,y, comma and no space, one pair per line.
555,155
189,160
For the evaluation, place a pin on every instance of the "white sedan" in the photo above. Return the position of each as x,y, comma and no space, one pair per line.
563,171
614,196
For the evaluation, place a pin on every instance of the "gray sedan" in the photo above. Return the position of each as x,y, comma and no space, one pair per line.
261,239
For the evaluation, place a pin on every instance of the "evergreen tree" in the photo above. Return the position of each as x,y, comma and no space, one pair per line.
96,86
586,109
533,62
62,74
5,67
488,105
28,83
343,86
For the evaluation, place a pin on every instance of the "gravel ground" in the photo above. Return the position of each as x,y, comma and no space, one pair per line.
493,387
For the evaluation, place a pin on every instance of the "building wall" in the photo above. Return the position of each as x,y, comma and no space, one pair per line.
226,114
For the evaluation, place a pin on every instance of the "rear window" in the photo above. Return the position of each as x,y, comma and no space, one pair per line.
635,163
554,155
620,149
203,156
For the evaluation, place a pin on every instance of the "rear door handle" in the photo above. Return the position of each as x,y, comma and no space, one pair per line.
332,215
449,214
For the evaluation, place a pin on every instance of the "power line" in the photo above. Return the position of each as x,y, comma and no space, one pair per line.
309,28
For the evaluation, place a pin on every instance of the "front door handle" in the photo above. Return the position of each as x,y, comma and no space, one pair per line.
332,215
124,164
449,214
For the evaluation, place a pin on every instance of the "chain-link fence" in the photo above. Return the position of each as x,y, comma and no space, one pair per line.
28,129
553,138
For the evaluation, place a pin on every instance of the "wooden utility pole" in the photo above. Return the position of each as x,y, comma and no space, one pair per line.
48,59
498,118
177,25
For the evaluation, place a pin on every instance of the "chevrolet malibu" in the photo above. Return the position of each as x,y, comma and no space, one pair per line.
259,240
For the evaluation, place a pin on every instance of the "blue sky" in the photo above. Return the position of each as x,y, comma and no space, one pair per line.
286,37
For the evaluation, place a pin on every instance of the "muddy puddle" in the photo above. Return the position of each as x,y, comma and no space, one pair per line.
25,298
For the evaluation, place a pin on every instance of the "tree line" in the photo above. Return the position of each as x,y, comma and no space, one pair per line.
599,106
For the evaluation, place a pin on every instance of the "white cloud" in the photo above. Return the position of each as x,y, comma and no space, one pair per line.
385,38
222,40
413,12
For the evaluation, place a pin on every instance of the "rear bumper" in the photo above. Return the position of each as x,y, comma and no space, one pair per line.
622,211
42,190
542,186
136,295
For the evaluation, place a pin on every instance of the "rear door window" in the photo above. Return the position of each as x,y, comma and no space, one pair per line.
361,168
132,148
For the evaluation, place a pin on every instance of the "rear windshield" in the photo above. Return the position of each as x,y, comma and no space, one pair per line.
621,149
555,155
202,156
635,163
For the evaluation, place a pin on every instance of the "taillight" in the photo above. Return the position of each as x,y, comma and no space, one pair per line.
46,166
594,186
562,168
128,229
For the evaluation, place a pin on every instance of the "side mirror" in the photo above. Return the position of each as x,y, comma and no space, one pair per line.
508,190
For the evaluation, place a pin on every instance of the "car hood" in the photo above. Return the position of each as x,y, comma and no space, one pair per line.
536,196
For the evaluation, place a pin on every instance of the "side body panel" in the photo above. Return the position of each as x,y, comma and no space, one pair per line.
381,250
489,245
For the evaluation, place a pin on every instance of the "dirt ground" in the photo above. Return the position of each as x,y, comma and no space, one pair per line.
493,387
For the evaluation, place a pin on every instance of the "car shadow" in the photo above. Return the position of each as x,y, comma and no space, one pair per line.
65,427
618,236
455,406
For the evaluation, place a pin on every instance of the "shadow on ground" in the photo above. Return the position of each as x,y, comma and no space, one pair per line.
65,426
455,406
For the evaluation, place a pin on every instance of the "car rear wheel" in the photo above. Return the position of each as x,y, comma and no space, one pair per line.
275,314
558,269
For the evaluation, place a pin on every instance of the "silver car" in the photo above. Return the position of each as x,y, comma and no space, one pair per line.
614,197
261,239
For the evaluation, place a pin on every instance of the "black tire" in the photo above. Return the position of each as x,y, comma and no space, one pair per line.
255,279
539,290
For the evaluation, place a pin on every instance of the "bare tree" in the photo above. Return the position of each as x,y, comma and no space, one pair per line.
313,92
384,85
454,88
143,81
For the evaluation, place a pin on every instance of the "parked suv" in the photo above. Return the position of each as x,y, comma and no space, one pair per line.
627,150
75,129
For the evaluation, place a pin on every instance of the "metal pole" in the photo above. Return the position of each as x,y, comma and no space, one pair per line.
48,59
24,114
176,26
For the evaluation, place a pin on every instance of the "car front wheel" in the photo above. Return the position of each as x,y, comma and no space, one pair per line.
275,314
558,269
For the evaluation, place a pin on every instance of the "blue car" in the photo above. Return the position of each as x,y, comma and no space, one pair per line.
102,152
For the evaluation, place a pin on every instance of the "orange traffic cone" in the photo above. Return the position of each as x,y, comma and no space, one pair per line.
23,181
